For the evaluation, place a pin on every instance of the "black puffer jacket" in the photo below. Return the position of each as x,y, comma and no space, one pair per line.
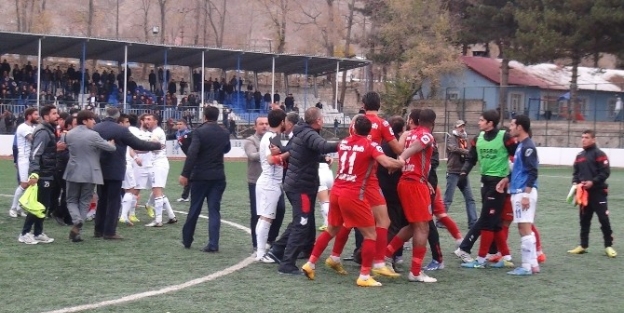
43,153
306,149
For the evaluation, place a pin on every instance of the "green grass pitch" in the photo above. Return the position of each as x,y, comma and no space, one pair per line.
63,274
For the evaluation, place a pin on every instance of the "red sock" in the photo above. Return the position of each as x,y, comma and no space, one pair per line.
381,243
341,241
487,237
451,226
538,241
319,246
368,252
505,231
395,244
418,254
501,242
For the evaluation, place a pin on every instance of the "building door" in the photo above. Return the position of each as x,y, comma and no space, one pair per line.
516,103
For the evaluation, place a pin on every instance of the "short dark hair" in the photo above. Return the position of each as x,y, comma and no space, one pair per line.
183,121
122,117
292,117
415,115
491,116
63,115
83,116
523,121
362,125
133,119
397,123
69,121
73,111
589,132
276,117
29,112
46,109
427,116
371,101
211,113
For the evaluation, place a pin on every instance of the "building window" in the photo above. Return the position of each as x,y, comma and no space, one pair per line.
611,107
516,103
452,95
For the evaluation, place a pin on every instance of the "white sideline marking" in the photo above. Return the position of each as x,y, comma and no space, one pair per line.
137,296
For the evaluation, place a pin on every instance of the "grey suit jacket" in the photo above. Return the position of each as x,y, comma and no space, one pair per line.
84,147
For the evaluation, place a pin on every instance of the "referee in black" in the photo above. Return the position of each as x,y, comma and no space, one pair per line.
591,170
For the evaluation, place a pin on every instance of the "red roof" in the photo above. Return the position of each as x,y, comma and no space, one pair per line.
490,69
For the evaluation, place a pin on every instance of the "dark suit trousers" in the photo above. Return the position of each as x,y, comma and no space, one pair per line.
299,233
109,203
212,192
44,197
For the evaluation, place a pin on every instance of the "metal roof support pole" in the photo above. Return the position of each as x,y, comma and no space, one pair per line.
238,67
39,73
166,78
125,78
203,74
315,88
272,77
336,99
305,87
83,63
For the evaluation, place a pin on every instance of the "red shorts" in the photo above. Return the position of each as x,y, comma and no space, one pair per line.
507,209
438,204
415,200
373,193
349,211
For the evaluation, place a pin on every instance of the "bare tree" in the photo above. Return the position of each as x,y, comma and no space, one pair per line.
277,11
216,17
323,20
198,6
145,7
347,49
163,14
24,10
90,18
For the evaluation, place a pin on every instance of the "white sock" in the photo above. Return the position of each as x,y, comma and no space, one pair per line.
529,255
151,201
262,235
168,208
133,204
158,208
18,194
325,211
126,203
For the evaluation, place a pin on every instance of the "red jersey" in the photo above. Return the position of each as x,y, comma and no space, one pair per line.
380,130
356,164
418,165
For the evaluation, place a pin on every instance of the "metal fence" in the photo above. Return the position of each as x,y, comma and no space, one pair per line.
554,132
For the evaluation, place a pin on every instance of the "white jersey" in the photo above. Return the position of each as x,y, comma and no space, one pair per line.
159,156
146,158
135,131
270,173
23,144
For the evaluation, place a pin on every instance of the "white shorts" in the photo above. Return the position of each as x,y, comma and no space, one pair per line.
158,176
326,177
267,197
521,215
22,169
142,178
129,181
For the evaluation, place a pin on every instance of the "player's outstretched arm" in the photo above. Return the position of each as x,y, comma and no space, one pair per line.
414,148
389,162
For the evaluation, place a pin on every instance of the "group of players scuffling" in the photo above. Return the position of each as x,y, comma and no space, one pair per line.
403,196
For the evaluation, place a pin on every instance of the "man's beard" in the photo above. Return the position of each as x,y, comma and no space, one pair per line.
34,122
